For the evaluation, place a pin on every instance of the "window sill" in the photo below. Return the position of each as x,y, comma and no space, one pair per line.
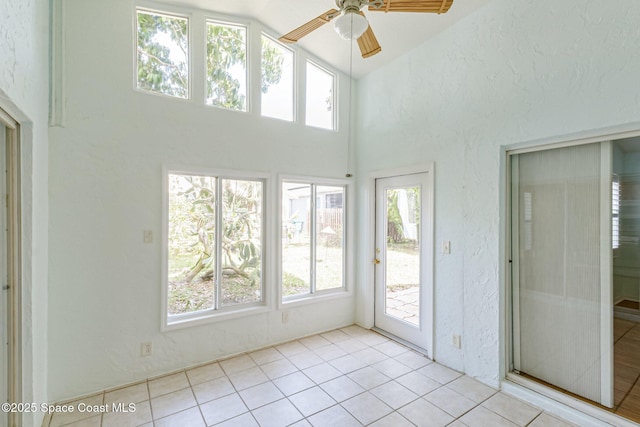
315,298
188,321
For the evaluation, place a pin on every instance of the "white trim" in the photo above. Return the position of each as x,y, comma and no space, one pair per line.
560,404
57,90
427,313
348,238
606,276
535,393
14,264
222,313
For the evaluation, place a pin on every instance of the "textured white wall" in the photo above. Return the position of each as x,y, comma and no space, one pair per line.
106,188
24,92
516,70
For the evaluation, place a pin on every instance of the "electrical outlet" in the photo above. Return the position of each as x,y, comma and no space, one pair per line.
146,348
457,341
446,247
285,317
147,236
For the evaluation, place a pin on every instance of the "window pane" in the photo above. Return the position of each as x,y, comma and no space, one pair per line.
329,237
320,89
227,66
191,240
296,246
241,242
277,80
163,52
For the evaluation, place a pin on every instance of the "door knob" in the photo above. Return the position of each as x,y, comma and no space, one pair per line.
376,261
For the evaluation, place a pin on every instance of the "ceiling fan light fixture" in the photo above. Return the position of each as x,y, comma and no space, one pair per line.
350,25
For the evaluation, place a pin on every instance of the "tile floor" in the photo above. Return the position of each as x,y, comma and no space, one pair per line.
346,377
626,369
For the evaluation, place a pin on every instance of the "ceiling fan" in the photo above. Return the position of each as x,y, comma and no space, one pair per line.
350,22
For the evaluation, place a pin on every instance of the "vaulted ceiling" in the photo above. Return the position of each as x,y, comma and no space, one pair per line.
397,33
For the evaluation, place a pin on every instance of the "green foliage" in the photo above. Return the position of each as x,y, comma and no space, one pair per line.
226,48
162,56
162,52
193,206
271,64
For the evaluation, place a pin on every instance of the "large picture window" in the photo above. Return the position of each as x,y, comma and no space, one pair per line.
215,234
313,235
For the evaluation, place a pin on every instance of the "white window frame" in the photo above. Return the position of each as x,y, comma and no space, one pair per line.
221,313
334,100
169,12
348,238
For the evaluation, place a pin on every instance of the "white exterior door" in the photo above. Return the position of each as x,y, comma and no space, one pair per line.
403,258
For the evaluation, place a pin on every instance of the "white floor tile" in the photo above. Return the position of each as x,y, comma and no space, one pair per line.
418,383
172,403
394,419
369,377
293,383
512,409
314,342
248,378
291,348
205,373
260,395
413,359
266,355
546,420
141,415
334,417
472,389
189,418
450,401
329,352
370,356
305,360
394,394
223,409
335,336
322,373
237,364
392,368
132,394
482,417
347,364
366,408
311,401
277,414
244,420
278,369
214,389
342,388
424,414
440,373
167,384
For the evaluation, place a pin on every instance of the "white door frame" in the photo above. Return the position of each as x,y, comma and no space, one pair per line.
606,275
369,267
12,284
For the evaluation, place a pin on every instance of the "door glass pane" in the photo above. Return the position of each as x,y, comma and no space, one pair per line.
296,243
329,237
402,260
558,285
241,242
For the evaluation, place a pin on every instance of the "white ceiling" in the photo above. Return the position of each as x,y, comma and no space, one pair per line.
397,33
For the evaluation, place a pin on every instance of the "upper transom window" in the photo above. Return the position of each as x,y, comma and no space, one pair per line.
320,98
277,80
162,53
227,66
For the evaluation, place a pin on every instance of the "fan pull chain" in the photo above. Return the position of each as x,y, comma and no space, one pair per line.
348,174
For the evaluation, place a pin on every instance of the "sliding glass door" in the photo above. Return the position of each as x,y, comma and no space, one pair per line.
561,268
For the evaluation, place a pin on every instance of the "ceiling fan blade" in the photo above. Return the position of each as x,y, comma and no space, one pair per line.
305,29
423,6
368,43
